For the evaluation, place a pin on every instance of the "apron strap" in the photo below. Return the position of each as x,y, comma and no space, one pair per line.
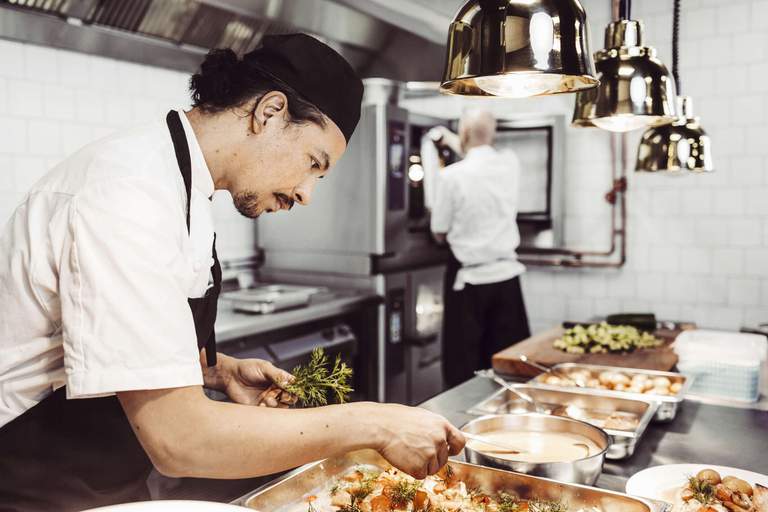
181,147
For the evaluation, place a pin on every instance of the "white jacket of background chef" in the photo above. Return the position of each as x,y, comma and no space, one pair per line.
95,270
476,207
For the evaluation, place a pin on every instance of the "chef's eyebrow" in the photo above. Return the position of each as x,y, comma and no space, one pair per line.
325,161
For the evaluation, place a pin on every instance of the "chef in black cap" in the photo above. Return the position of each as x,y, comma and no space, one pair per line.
110,280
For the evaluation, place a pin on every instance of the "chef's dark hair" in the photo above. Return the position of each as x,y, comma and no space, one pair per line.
225,81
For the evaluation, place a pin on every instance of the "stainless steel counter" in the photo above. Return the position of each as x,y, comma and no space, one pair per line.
700,433
232,324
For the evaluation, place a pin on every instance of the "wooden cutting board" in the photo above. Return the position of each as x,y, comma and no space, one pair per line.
538,348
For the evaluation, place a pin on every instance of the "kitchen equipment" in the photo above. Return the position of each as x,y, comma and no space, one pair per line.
582,471
668,404
270,298
544,369
662,482
290,490
539,349
587,406
489,374
725,364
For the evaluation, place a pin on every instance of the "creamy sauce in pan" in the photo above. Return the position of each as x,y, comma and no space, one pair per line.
537,446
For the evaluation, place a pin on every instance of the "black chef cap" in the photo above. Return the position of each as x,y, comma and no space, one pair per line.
316,72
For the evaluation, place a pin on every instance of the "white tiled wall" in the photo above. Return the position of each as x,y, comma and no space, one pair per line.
52,102
698,245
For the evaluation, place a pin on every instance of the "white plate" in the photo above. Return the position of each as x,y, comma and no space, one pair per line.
662,482
170,506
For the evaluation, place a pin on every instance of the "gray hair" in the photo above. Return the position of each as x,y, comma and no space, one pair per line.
477,126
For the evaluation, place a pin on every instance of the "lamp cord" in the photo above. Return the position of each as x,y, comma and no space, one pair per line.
675,43
625,8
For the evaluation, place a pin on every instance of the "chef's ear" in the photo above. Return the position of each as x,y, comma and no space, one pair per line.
271,106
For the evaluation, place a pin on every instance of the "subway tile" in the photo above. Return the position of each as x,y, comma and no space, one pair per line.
754,316
75,137
636,306
748,47
733,18
89,105
698,22
3,95
664,259
43,137
13,59
729,202
748,110
747,170
74,68
650,286
695,260
541,282
41,64
25,98
731,79
697,201
754,143
712,231
743,291
745,232
14,138
764,293
760,14
716,50
58,102
665,202
7,177
580,310
681,288
756,262
756,201
719,317
757,74
711,290
728,262
593,284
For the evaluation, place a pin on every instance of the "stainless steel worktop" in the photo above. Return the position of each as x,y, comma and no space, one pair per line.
700,433
232,324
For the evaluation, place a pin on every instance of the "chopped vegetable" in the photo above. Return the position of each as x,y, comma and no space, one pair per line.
703,491
314,382
604,338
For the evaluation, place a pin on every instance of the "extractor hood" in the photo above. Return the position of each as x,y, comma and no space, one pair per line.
177,33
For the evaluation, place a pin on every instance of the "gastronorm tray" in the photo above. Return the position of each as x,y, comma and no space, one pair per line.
623,442
668,404
288,492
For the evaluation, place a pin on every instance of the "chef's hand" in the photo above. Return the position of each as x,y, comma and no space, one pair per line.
415,440
250,381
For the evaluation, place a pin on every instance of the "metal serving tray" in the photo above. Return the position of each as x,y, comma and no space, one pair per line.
269,298
668,404
623,442
288,492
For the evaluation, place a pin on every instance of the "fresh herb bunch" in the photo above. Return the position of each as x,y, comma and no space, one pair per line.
314,382
507,502
547,506
403,493
703,491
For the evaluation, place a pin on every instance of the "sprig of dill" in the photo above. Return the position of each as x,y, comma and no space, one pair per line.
703,491
403,493
547,506
507,502
314,382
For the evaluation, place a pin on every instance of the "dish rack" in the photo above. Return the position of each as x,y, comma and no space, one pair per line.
724,364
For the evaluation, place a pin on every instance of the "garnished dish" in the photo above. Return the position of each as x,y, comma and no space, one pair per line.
373,490
709,491
615,380
604,338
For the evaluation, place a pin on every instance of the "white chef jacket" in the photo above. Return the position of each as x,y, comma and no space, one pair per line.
96,266
477,208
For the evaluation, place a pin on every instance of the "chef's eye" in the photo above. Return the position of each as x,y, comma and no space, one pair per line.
315,164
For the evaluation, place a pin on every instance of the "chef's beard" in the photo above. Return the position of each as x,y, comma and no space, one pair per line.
247,203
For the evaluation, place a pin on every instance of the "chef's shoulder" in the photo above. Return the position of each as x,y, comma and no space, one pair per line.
142,154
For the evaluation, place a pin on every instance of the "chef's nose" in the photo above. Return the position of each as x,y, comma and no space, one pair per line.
303,193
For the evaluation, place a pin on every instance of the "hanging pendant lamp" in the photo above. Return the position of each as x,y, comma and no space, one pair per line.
683,145
635,91
518,48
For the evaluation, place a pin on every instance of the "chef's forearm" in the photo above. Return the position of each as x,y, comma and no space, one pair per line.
216,377
187,435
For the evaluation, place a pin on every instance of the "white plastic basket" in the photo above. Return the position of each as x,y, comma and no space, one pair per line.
724,364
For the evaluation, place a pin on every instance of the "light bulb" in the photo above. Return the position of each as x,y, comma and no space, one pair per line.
415,172
624,122
519,85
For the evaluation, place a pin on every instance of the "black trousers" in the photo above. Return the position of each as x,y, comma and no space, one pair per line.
479,321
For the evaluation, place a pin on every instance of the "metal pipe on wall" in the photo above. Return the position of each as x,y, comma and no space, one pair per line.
617,198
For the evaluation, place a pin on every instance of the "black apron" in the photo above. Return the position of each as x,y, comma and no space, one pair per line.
64,454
